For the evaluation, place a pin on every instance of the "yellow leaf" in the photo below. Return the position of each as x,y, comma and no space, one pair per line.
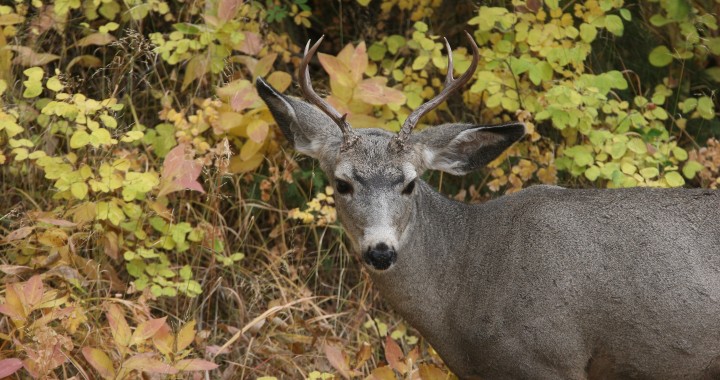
186,335
196,68
280,80
238,165
249,149
257,131
264,65
100,361
79,190
337,70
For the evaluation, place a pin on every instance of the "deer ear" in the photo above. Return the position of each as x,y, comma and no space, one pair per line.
309,130
461,148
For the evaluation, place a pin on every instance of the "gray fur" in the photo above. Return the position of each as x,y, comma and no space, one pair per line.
548,283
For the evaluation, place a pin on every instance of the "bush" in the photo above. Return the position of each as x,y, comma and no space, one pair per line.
146,184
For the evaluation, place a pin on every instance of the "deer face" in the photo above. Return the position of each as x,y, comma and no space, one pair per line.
374,172
374,196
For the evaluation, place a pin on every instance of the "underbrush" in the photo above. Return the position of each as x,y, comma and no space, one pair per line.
154,222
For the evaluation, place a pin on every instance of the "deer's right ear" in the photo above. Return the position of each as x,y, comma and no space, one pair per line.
309,130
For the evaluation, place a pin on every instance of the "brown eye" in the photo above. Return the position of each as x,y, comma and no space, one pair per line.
343,187
409,188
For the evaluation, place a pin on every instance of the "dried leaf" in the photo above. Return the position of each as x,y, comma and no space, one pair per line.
196,68
100,361
9,366
179,173
33,291
164,340
394,356
382,373
111,245
363,354
27,57
431,372
146,330
195,365
118,326
85,61
252,45
57,222
100,39
20,233
11,19
337,359
186,335
227,9
264,65
55,238
146,363
13,270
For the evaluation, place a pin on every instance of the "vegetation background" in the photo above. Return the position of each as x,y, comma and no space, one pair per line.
154,223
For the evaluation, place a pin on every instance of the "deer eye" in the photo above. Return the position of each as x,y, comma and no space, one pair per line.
409,188
343,187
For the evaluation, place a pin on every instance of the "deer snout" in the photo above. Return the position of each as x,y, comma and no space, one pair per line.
380,257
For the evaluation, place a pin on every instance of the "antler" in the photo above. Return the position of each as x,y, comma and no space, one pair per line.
451,85
349,137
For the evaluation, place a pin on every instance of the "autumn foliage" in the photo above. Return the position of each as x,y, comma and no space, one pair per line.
154,222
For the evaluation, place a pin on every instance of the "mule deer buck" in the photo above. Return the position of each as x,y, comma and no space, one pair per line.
547,283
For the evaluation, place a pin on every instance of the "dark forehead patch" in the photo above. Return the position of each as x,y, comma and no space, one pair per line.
381,177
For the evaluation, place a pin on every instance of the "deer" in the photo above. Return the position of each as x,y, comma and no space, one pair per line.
545,283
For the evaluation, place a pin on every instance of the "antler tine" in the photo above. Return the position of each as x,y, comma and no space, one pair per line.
349,136
451,85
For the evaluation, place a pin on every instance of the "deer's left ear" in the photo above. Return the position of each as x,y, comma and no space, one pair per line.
461,148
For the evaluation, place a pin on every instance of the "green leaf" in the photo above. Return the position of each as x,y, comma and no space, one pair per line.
592,173
79,139
658,20
674,179
614,25
637,145
660,56
691,168
678,10
588,32
108,121
649,173
680,153
54,84
186,272
136,185
100,137
376,51
625,13
132,136
394,43
706,108
583,158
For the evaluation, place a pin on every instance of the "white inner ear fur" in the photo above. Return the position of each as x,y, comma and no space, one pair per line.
452,158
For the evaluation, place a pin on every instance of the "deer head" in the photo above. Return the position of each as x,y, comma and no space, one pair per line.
376,174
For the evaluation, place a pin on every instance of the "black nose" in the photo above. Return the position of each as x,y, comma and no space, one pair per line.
380,257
